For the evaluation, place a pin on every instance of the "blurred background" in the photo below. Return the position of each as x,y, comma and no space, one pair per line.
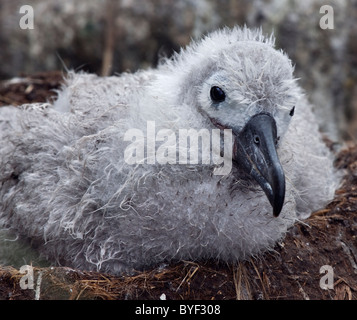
111,36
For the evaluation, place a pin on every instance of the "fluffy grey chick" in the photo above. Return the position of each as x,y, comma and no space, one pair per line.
67,183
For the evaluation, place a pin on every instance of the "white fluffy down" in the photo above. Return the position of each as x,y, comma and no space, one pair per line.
66,187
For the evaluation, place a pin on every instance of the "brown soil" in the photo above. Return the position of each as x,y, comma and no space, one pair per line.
292,271
39,87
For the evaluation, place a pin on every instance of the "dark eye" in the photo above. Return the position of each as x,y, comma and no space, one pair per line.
292,111
217,94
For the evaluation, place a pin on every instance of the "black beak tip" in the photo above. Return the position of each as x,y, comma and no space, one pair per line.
278,204
277,210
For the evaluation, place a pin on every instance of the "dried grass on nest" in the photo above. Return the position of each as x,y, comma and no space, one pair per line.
67,283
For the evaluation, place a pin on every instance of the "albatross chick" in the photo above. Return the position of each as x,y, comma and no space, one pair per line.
84,181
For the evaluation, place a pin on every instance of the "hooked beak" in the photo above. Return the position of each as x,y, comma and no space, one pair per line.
255,152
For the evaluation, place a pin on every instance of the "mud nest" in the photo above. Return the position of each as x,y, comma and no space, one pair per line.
291,271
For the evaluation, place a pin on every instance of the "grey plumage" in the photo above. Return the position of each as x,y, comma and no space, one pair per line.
66,185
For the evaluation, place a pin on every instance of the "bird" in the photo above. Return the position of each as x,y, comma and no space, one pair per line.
101,179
